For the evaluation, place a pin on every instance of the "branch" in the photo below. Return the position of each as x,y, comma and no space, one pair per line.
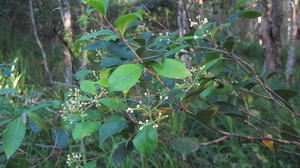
38,40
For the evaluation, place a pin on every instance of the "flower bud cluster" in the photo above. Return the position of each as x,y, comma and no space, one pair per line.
74,160
76,105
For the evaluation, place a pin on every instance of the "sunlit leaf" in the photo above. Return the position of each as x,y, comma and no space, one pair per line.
146,140
84,129
171,68
251,14
100,5
13,136
125,76
88,86
123,22
269,144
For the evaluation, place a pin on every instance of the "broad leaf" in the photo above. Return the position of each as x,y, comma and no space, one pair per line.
88,86
100,5
251,14
109,129
98,33
122,151
114,103
123,22
110,61
146,140
175,50
84,129
98,44
38,119
60,137
81,74
171,68
207,114
13,136
125,76
185,145
286,94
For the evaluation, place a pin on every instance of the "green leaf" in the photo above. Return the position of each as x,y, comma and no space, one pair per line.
123,22
125,76
171,68
81,74
100,5
286,94
13,136
104,73
206,115
114,103
8,91
99,33
88,86
91,164
103,82
251,14
185,146
175,50
39,120
146,140
109,129
83,129
193,95
122,151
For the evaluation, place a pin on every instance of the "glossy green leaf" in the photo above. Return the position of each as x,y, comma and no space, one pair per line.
100,5
81,74
104,73
125,76
123,22
114,103
185,145
251,14
83,129
171,68
146,140
88,86
109,129
39,120
13,136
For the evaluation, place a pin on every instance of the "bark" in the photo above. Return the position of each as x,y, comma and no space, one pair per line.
292,48
38,41
271,28
182,18
66,17
183,28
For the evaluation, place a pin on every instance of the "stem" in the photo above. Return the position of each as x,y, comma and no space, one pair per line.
82,150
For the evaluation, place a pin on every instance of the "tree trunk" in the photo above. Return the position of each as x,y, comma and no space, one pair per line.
271,27
292,48
33,22
67,22
182,18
